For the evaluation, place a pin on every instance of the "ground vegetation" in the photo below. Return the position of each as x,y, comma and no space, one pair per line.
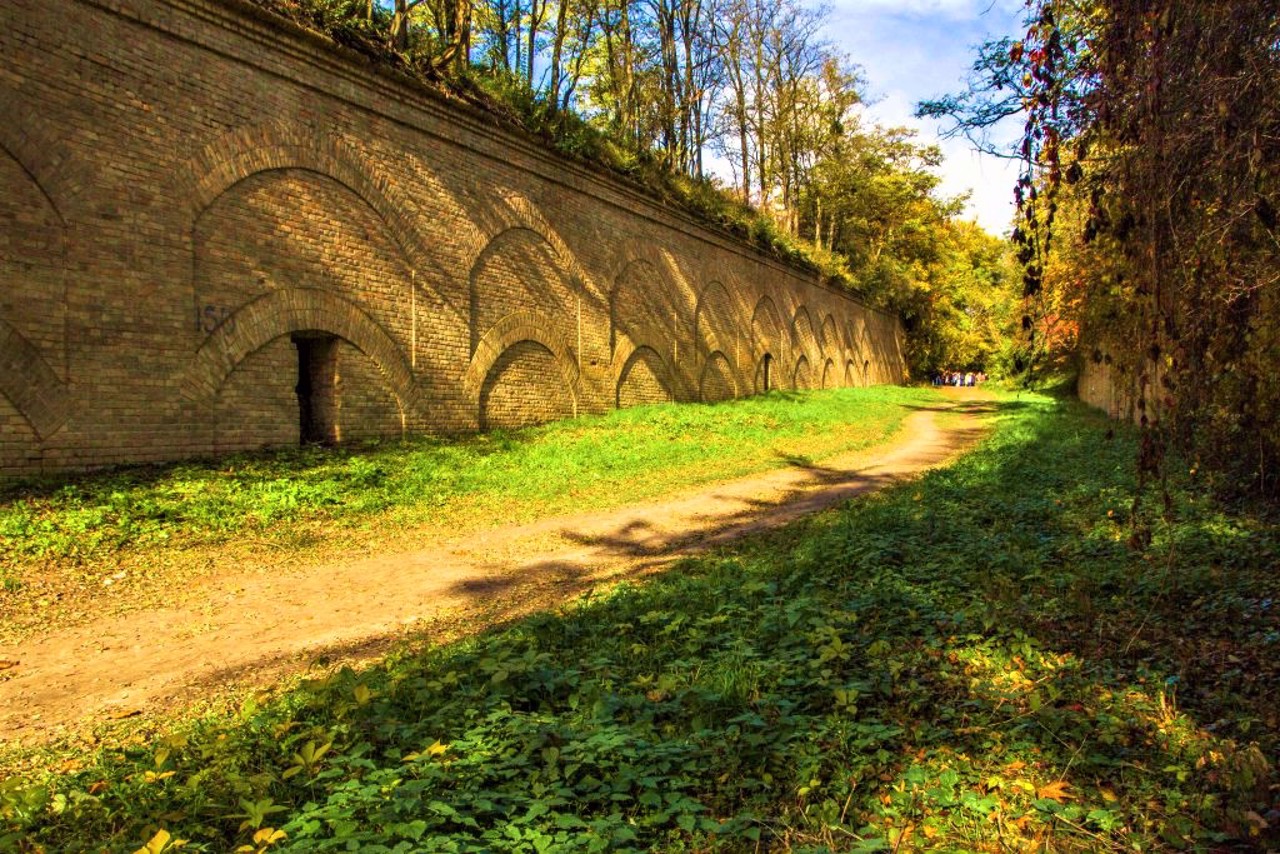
977,660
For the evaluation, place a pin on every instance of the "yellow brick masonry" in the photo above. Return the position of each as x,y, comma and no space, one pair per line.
221,232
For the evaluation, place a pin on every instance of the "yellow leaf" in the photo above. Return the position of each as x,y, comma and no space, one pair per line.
1055,791
929,831
437,748
268,836
1108,795
156,844
1016,765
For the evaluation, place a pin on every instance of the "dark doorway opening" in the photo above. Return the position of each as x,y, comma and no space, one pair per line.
767,371
317,388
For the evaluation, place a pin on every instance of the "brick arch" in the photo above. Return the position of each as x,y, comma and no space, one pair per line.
639,338
715,363
709,336
624,325
802,374
514,211
42,152
282,312
629,251
766,311
14,151
511,330
803,340
828,336
33,387
829,378
556,325
846,341
240,154
858,350
665,377
27,380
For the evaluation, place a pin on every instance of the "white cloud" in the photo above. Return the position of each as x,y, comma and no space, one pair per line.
911,50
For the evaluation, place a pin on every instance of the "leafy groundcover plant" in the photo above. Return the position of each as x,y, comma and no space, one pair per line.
977,660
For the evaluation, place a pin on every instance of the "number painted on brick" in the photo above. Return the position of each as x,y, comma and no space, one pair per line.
210,317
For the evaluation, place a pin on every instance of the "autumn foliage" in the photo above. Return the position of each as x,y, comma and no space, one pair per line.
1150,209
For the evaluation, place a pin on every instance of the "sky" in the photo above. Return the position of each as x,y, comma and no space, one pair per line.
910,50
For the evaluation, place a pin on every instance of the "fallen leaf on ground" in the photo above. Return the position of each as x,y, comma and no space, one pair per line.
1055,791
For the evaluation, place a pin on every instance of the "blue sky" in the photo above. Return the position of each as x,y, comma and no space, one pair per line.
915,49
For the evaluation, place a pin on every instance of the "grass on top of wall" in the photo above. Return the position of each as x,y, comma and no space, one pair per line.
975,661
590,462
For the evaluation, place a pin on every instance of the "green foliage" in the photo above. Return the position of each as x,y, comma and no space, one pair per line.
974,661
862,197
624,455
1148,219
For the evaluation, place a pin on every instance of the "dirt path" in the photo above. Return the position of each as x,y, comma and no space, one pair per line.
251,630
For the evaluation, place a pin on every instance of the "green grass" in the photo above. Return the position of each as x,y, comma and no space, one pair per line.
590,462
973,661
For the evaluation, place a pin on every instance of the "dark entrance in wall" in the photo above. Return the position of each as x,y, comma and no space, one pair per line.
317,387
768,371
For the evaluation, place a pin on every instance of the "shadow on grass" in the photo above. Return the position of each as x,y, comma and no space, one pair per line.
971,661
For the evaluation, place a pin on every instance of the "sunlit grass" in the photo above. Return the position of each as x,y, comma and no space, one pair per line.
971,662
587,463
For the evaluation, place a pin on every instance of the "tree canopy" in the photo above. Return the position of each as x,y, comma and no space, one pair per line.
1152,153
736,109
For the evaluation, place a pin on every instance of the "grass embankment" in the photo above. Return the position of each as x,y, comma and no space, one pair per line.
974,661
70,545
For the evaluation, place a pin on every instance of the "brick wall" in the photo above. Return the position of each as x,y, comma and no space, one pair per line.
199,203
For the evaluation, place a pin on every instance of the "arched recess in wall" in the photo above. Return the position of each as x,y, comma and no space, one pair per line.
521,270
299,231
830,375
804,346
850,374
844,351
523,372
525,265
861,351
644,378
717,380
877,340
238,163
238,154
715,328
646,319
768,350
829,338
509,210
288,345
802,376
649,289
33,283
